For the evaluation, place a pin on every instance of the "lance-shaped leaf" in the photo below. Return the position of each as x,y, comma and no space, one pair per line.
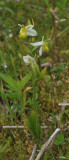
10,82
34,125
24,80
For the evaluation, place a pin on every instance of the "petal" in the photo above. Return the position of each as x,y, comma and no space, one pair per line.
21,30
37,44
40,51
5,65
42,38
31,32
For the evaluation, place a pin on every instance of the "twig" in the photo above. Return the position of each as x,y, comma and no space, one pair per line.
51,144
66,128
46,65
54,15
55,93
44,127
63,104
13,134
55,32
19,127
45,146
33,152
13,127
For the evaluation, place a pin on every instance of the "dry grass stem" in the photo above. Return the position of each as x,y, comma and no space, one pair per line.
45,146
33,152
20,127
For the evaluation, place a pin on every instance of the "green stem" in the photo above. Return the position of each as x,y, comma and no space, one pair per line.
34,103
34,97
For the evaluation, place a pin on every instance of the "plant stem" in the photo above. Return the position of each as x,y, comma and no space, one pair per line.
34,96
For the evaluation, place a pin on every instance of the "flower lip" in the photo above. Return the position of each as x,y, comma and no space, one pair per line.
23,33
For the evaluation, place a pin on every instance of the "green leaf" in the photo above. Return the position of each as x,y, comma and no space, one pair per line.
4,148
59,140
9,10
12,95
26,49
33,125
11,83
35,70
67,139
35,48
66,52
47,78
61,4
67,155
2,3
48,4
24,80
43,72
65,116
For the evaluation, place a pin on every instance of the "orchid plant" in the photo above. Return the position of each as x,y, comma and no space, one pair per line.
36,74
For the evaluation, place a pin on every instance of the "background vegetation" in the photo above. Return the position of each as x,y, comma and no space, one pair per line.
29,99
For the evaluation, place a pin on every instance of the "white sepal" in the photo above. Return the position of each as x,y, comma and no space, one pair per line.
37,43
40,50
31,32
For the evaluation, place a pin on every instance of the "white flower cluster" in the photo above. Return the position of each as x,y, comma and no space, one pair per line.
29,31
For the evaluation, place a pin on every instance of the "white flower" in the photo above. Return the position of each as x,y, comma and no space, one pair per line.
28,59
43,45
27,31
4,65
10,35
